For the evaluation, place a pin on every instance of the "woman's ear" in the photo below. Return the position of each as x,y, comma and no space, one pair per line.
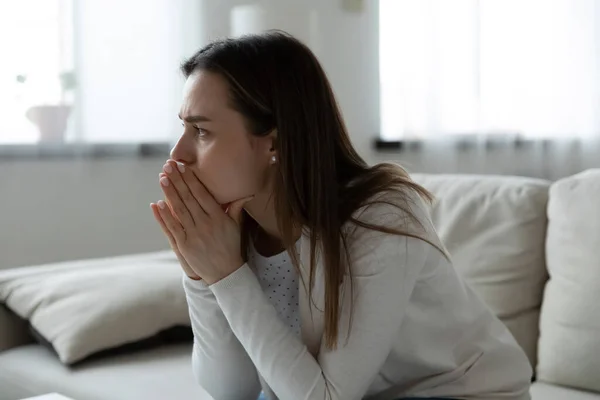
272,144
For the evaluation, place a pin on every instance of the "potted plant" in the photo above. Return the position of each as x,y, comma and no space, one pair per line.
51,119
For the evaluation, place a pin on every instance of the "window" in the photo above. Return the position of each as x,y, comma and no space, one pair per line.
92,71
35,38
466,67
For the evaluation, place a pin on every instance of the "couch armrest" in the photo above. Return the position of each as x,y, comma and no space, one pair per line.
13,330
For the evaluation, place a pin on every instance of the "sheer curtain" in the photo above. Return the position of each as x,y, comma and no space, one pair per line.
494,72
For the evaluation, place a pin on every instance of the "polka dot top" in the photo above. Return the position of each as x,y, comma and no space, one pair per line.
279,281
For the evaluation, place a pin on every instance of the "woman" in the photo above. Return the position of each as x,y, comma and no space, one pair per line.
307,272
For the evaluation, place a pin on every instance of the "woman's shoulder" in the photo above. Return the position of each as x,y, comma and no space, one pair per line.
404,209
391,224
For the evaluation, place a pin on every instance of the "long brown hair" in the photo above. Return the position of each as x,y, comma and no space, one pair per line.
276,82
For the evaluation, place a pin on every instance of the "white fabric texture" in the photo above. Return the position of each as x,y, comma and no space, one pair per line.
544,391
155,374
495,227
417,328
82,307
279,280
569,350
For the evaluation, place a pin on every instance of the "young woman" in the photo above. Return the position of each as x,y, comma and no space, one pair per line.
308,273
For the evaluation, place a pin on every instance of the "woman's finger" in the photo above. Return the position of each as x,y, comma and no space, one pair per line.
197,189
173,225
176,204
168,204
235,209
166,231
184,264
206,200
176,173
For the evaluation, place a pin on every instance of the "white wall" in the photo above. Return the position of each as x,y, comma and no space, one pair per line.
52,210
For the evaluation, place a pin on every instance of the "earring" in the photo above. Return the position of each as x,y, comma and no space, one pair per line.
273,159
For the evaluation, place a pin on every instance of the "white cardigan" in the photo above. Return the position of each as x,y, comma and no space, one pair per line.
418,329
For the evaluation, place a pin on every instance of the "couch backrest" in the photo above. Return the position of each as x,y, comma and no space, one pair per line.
494,228
569,346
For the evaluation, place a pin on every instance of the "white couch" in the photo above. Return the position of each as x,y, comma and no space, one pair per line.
527,247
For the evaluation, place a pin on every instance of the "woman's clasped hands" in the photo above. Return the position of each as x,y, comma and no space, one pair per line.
203,234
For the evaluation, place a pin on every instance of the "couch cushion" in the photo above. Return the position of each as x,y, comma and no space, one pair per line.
544,391
494,228
569,347
157,374
83,307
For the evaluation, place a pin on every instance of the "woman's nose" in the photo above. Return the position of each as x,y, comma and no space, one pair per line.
183,152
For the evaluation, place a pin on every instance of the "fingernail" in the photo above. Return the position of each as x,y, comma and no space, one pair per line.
161,204
167,168
180,167
164,181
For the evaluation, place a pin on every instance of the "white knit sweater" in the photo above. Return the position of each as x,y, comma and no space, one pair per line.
418,330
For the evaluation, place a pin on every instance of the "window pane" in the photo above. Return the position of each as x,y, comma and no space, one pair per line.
128,69
493,66
124,64
541,76
33,56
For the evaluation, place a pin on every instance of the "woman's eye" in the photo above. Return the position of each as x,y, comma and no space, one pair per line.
200,131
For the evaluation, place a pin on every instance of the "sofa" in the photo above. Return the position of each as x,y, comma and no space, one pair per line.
527,247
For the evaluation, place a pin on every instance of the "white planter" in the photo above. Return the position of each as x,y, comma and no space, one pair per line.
51,121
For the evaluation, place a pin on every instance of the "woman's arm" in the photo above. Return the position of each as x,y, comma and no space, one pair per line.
220,363
386,269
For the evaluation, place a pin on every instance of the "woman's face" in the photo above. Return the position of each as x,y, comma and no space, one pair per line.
216,144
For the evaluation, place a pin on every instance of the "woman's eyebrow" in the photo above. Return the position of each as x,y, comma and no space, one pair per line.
195,118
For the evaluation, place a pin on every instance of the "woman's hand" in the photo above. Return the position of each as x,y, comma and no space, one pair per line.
206,236
186,267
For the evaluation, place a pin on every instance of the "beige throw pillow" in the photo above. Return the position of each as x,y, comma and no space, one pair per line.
83,307
569,347
494,228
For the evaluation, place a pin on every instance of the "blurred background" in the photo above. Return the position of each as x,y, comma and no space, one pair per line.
90,91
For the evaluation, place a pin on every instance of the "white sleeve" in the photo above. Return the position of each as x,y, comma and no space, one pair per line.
219,362
387,267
